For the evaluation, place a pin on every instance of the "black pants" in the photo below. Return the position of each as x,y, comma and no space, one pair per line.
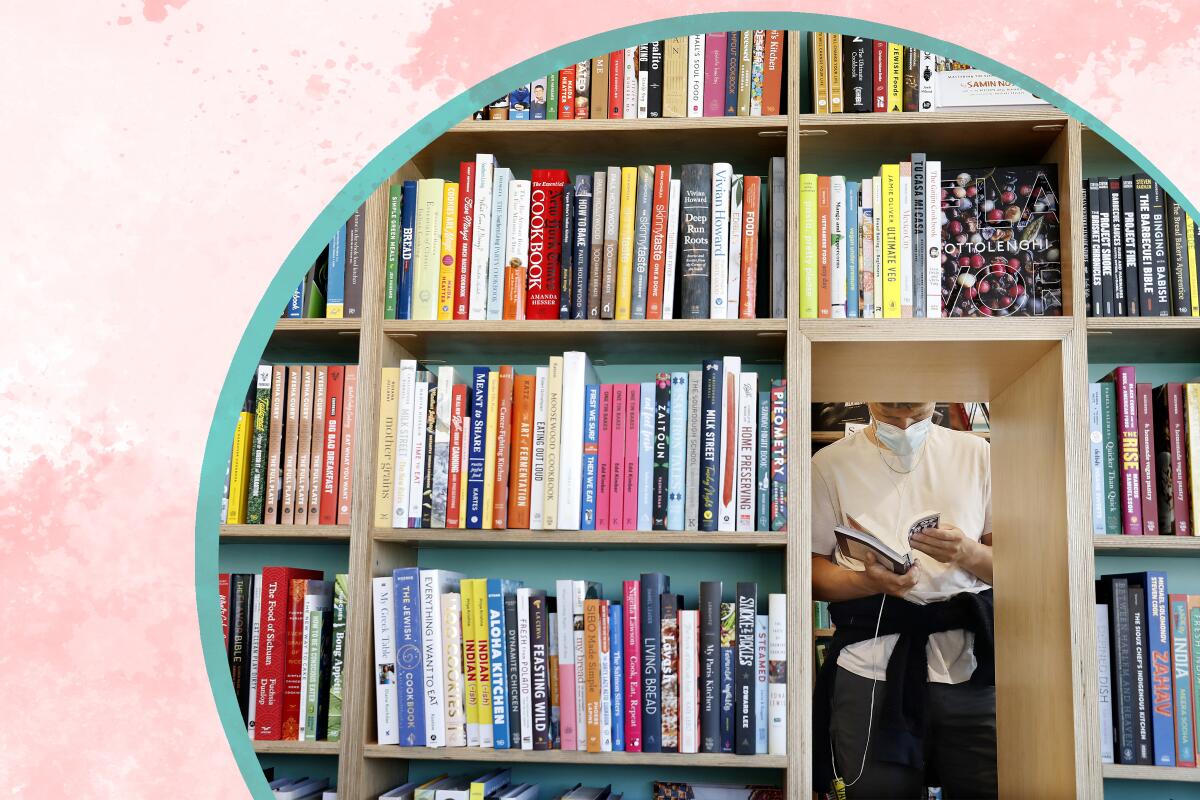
960,741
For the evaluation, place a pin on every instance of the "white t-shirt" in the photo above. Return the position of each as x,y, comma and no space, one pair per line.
951,477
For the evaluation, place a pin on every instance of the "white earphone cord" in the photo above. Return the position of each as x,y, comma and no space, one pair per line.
862,767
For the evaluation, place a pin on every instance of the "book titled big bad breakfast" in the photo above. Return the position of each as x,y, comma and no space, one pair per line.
1001,253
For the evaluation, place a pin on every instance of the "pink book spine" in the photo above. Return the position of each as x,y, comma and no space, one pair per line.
604,470
566,702
616,493
633,424
633,667
714,74
1128,456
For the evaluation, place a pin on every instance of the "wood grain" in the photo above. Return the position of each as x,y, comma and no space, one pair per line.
232,534
581,540
479,754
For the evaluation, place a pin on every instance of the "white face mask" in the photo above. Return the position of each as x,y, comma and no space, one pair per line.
904,442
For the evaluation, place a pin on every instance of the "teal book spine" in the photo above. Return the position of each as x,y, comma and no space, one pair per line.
677,459
852,288
335,288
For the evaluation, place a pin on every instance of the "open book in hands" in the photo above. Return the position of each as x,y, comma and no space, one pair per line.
855,541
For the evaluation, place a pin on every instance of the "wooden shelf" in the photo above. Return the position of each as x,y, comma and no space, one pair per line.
1127,772
1146,545
689,760
290,534
303,340
826,437
627,341
822,632
291,748
581,540
1143,339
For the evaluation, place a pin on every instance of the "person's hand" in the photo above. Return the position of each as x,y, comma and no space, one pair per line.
948,545
883,581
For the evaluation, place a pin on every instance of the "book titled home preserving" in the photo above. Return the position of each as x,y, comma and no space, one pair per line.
747,438
385,661
435,583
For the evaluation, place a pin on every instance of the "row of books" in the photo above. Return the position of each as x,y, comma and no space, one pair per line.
333,286
1148,653
1139,249
494,785
293,448
490,663
603,245
302,788
856,75
1145,456
285,635
723,74
920,240
703,450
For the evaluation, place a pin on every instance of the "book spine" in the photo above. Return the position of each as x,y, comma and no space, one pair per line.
906,244
1104,683
497,243
728,676
696,182
611,242
677,451
577,372
616,697
809,246
546,218
819,50
733,287
1147,467
427,250
504,422
1100,246
714,73
481,236
744,678
1129,240
539,665
694,66
728,490
604,459
435,691
407,249
1096,457
240,610
443,411
779,505
917,233
1111,195
777,674
616,84
1158,631
317,444
335,284
626,243
512,668
890,223
1193,451
291,442
452,665
1192,266
910,92
644,431
879,88
856,73
580,253
223,604
689,724
933,239
653,584
710,445
406,591
1172,424
489,449
516,252
416,474
464,240
747,436
457,461
483,665
448,256
604,656
239,465
866,245
498,672
274,472
732,59
676,91
591,455
1177,236
877,248
1193,616
661,451
537,467
333,438
772,83
596,251
760,684
256,631
591,661
669,672
477,448
656,268
635,412
346,445
1185,734
751,216
895,77
564,595
833,70
616,497
385,662
710,666
722,178
598,102
630,92
522,451
632,648
525,667
469,661
1127,426
643,216
579,595
824,254
1111,455
853,291
654,88
927,89
566,93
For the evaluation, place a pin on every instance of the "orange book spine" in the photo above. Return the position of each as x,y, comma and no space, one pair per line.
522,451
751,192
658,241
824,268
504,405
591,672
514,292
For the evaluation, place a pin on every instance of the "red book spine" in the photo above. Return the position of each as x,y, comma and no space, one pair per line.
1177,446
223,605
751,192
466,227
333,434
616,84
345,469
272,651
545,243
879,85
1147,460
604,465
1127,441
458,408
633,425
824,278
503,443
658,241
294,650
616,499
566,93
633,666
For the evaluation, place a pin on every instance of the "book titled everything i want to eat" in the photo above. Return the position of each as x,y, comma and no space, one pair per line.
855,541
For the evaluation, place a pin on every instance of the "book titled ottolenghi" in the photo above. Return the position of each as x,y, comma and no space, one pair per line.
1001,254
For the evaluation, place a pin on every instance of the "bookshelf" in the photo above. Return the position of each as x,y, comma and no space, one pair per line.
1034,372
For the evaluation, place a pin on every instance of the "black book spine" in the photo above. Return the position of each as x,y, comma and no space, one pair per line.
710,666
427,487
1141,679
743,686
668,659
582,251
566,251
355,234
778,209
1091,254
1116,227
241,608
654,93
695,229
1162,266
710,443
324,677
643,68
1121,645
1101,241
513,662
1152,305
912,79
1129,239
662,451
539,668
653,584
856,74
1181,290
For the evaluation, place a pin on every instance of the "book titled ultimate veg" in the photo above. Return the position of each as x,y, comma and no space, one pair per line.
855,541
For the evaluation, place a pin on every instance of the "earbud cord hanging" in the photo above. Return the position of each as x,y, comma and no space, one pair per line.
840,785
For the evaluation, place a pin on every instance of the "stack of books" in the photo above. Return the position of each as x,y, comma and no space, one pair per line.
704,450
333,286
293,448
724,74
285,634
1139,249
641,242
490,663
301,789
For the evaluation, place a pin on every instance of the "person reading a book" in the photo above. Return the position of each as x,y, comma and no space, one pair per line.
902,534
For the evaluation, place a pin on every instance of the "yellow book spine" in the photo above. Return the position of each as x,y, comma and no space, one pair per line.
553,429
820,72
834,49
890,219
427,248
483,672
470,660
895,77
239,458
1193,277
448,260
808,246
1192,404
625,243
489,460
389,393
462,481
745,67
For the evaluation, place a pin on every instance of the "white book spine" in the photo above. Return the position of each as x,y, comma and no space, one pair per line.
501,178
722,179
386,699
906,244
1096,458
577,372
866,258
689,677
668,306
933,238
777,674
580,594
523,668
305,643
877,202
630,96
837,252
1104,684
447,377
481,233
733,293
606,739
537,468
760,684
416,481
926,73
747,439
517,248
452,663
691,497
255,627
695,76
731,380
434,582
404,442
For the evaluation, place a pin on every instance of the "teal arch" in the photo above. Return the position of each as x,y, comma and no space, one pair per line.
306,250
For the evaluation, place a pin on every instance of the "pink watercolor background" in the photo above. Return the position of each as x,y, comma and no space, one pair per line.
155,150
